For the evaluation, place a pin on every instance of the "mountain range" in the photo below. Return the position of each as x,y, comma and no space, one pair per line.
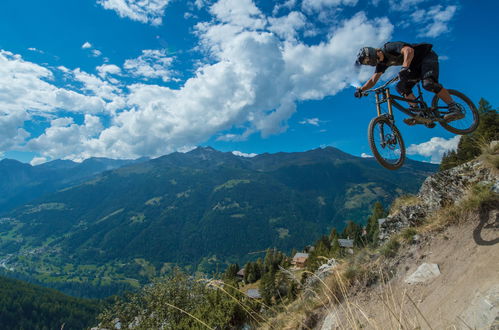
199,210
22,182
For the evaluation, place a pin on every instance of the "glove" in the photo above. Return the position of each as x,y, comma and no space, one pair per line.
358,93
404,73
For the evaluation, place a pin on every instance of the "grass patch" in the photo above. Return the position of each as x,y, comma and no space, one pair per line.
408,234
477,197
389,250
405,200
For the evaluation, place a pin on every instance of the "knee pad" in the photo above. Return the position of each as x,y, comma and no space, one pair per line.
431,85
403,88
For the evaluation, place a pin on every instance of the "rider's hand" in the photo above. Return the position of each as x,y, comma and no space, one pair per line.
404,73
358,93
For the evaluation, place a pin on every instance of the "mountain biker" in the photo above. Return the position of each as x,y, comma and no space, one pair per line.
418,61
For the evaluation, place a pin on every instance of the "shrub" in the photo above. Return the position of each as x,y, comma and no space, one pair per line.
389,250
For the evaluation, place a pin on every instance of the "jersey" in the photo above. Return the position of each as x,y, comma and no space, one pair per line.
393,55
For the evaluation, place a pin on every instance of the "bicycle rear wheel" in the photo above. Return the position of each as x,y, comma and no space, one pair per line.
465,125
386,143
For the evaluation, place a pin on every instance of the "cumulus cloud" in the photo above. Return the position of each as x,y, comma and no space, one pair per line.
149,12
288,4
364,155
26,92
319,5
86,45
310,121
435,20
254,84
38,160
256,75
242,154
151,64
66,139
402,5
435,148
287,27
108,69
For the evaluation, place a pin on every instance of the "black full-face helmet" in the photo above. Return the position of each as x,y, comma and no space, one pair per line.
367,56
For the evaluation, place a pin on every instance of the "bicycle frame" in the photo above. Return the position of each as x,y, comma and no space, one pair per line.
383,95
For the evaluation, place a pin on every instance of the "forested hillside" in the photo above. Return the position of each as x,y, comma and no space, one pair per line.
27,306
200,210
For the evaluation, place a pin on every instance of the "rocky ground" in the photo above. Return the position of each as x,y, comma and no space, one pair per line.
446,278
464,296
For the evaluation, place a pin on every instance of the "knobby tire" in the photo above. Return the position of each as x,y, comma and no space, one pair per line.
470,107
378,122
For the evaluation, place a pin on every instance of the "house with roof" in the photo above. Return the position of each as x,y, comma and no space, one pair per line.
346,244
240,274
254,293
299,259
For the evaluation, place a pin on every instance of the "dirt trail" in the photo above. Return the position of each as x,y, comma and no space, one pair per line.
464,296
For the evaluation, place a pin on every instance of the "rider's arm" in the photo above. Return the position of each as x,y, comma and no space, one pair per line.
408,53
372,81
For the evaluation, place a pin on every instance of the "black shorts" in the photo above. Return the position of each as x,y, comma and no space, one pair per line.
428,69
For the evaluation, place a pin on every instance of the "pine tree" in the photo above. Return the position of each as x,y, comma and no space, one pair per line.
372,228
267,287
231,272
469,145
353,231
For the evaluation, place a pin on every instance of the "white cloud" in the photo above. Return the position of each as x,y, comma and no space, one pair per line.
435,148
435,21
144,11
241,13
36,50
403,5
364,155
242,154
310,121
320,5
252,83
287,27
151,64
26,91
66,139
288,4
108,69
38,160
86,45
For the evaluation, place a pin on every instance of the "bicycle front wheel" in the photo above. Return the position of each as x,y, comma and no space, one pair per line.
465,125
386,143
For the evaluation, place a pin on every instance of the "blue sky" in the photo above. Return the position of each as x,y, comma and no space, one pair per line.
125,79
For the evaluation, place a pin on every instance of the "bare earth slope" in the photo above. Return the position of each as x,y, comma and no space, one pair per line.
463,251
464,296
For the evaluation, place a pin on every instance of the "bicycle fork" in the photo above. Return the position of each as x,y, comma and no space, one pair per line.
386,98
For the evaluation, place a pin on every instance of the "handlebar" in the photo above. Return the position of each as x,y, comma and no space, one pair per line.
382,87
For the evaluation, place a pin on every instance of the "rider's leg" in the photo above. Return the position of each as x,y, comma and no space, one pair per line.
445,96
404,88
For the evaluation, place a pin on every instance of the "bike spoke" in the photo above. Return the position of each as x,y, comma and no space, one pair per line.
386,143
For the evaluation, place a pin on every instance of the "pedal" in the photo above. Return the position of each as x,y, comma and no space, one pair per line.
410,121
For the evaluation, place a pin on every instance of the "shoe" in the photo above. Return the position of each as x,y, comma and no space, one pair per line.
455,113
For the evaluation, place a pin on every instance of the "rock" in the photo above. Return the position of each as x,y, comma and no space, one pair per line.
483,311
440,189
410,215
424,273
330,322
327,267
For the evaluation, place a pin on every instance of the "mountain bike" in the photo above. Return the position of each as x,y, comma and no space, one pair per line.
384,137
